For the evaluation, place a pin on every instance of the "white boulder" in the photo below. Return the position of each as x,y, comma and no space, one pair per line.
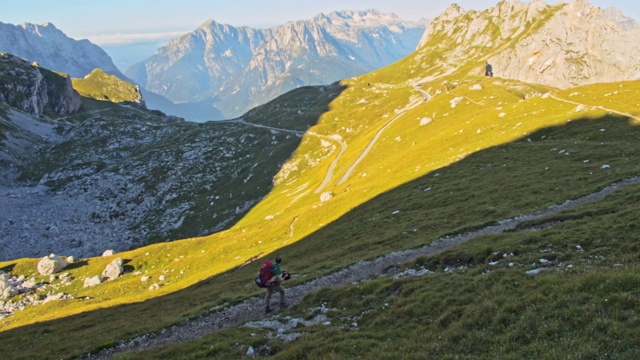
8,292
92,281
29,284
4,282
51,264
113,270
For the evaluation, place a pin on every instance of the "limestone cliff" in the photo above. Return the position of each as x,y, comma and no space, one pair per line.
562,45
35,90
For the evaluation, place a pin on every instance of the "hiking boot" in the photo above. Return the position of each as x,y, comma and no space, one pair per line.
268,310
284,305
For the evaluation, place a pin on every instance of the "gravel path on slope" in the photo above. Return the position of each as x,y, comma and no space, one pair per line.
253,309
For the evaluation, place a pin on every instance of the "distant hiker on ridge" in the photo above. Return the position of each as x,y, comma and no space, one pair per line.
275,276
488,70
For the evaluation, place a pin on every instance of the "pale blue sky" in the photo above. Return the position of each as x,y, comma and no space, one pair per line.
109,21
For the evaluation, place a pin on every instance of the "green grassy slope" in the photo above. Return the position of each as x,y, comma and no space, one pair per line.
468,301
476,303
478,151
102,86
534,171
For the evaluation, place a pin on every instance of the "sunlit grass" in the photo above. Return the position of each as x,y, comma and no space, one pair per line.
484,155
102,86
493,184
478,301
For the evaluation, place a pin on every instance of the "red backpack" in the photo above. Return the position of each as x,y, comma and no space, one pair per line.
265,274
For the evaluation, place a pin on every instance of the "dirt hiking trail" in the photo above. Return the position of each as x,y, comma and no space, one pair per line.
253,309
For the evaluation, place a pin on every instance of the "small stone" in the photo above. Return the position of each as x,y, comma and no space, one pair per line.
92,281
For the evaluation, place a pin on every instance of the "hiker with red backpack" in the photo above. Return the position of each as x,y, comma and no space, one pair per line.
271,277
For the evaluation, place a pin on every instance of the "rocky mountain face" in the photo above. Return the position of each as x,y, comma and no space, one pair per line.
35,90
236,68
52,49
27,93
562,45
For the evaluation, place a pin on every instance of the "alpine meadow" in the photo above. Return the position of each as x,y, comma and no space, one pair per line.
423,209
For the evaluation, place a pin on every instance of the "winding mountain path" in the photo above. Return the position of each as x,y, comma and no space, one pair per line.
365,152
624,114
334,163
253,309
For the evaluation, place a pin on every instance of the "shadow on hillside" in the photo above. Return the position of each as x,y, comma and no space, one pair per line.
126,268
8,268
520,177
262,141
77,264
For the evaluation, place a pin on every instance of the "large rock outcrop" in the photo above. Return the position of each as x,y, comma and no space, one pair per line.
562,45
102,86
33,89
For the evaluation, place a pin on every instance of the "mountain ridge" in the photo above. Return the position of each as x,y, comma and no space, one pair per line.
52,49
240,67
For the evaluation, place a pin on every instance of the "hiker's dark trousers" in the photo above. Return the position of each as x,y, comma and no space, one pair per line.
270,290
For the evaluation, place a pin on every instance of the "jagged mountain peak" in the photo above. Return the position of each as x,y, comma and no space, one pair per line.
213,25
451,12
370,17
556,45
36,29
54,50
242,67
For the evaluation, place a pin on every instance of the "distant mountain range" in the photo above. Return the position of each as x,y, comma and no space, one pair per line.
52,49
219,71
233,69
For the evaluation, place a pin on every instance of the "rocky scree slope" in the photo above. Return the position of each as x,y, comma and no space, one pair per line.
237,68
26,93
119,177
562,45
